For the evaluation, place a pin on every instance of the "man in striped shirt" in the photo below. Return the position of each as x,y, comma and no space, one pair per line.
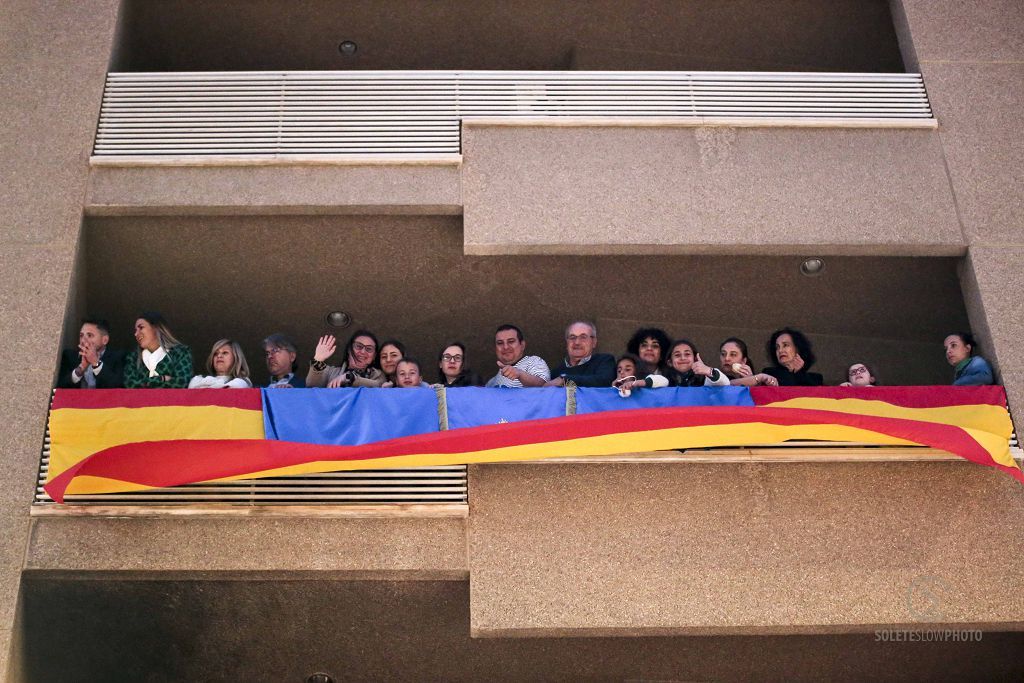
515,369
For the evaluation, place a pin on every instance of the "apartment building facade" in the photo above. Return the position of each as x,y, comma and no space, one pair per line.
648,567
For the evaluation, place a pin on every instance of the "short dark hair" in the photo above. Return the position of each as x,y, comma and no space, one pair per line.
509,326
283,342
655,333
102,325
738,342
412,361
802,344
967,338
871,372
631,357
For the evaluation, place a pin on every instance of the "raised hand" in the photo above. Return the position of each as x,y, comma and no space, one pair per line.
88,354
509,371
742,370
325,348
699,368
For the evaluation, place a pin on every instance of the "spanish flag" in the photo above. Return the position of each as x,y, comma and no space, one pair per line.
137,439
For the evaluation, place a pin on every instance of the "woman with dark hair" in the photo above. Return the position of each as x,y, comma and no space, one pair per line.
359,368
160,361
453,367
226,368
734,361
686,369
391,351
650,345
968,369
859,375
792,358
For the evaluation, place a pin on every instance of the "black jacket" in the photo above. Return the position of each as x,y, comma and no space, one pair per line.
110,377
801,378
599,371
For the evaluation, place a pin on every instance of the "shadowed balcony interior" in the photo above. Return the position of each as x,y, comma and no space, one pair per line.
407,277
630,35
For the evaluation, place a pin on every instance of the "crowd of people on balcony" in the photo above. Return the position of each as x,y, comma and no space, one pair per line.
651,360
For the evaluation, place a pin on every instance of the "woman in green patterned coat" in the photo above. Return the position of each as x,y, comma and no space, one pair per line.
161,361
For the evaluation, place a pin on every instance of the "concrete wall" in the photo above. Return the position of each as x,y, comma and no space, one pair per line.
651,190
972,59
338,187
54,57
681,548
105,627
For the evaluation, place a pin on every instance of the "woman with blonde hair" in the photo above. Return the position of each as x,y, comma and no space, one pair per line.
160,361
226,367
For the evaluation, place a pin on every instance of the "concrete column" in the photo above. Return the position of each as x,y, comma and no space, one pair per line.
54,59
991,279
972,59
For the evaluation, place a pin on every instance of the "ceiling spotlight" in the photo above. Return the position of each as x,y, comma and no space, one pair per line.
812,267
319,678
339,319
347,48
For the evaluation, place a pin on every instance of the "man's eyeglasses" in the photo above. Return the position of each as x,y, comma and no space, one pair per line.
273,351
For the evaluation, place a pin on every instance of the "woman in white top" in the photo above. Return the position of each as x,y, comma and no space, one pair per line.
226,366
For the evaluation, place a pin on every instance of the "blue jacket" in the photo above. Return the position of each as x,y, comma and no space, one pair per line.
977,372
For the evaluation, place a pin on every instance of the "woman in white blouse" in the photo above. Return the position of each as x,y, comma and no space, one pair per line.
226,366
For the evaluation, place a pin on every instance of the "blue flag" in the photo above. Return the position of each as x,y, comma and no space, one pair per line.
598,399
476,406
348,417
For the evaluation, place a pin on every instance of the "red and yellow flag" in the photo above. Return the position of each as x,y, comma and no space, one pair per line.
137,439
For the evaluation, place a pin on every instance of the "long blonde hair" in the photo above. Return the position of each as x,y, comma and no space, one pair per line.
163,333
240,368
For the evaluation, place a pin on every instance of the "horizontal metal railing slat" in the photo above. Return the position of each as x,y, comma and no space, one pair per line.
366,112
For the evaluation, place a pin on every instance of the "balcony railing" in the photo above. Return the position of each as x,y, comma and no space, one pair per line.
86,427
420,112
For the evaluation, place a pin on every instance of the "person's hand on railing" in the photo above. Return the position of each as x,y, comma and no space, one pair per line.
325,348
766,380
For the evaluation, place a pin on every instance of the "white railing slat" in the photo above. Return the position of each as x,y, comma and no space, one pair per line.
367,112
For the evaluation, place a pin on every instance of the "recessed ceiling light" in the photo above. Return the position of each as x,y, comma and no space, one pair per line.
338,319
812,267
347,48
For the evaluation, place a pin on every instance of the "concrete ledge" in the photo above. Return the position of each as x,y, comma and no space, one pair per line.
680,548
597,188
392,511
694,122
274,186
378,548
